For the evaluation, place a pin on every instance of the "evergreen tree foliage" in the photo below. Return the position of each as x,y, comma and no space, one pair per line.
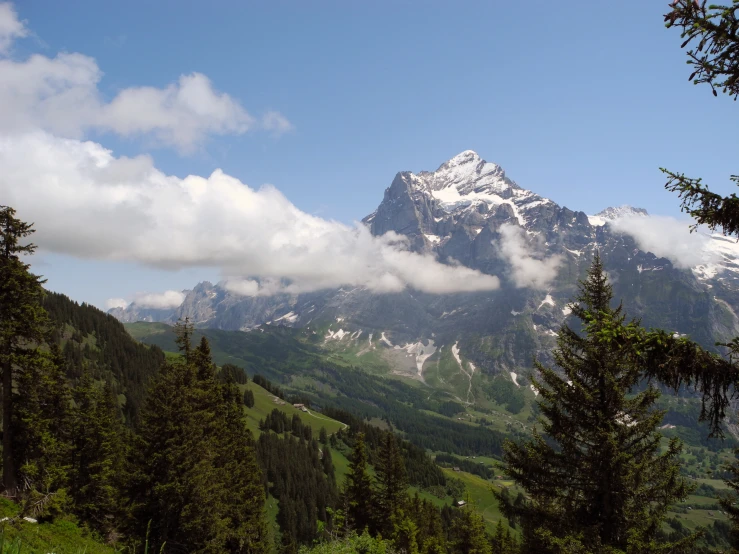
249,398
42,432
503,542
352,544
392,486
468,533
195,477
96,457
233,373
23,326
295,472
359,493
430,531
596,478
711,33
115,358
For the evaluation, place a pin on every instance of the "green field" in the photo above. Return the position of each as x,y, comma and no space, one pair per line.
264,403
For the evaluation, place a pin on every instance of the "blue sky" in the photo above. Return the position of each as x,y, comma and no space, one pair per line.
582,103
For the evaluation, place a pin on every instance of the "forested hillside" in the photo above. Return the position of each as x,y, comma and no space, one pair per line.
97,342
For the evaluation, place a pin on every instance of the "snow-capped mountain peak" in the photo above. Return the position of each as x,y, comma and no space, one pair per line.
613,213
466,181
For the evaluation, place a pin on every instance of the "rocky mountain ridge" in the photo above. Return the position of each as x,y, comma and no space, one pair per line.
469,211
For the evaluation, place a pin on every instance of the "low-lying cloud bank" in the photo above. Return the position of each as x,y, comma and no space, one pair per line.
90,204
667,237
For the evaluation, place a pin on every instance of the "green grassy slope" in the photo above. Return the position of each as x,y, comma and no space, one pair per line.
60,537
264,403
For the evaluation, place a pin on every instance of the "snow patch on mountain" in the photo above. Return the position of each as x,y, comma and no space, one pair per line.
514,378
455,352
289,317
421,351
547,300
338,335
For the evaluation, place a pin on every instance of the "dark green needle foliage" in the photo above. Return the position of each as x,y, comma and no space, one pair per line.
596,479
195,475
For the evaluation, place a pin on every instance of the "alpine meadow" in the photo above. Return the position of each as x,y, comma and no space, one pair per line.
339,360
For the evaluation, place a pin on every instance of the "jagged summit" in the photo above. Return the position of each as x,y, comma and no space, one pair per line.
467,181
465,172
615,212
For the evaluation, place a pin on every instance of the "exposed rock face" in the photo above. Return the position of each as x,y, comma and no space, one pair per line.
465,212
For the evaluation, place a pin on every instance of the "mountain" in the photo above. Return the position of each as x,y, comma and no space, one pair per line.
469,211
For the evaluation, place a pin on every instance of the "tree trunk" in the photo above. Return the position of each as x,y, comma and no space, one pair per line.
9,482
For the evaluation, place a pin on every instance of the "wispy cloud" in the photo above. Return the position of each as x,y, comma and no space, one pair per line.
111,303
160,301
61,95
277,123
11,28
528,269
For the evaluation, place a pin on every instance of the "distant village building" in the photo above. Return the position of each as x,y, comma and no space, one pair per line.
460,503
456,468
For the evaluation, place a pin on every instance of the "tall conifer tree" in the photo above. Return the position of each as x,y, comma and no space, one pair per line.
195,476
359,492
96,455
23,325
392,486
596,478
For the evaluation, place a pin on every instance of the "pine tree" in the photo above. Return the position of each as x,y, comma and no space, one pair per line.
503,542
195,476
42,431
605,484
431,537
468,533
392,486
23,326
249,398
359,491
96,455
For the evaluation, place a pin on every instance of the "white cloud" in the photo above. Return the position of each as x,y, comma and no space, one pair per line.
11,27
111,303
90,204
160,301
61,95
277,123
527,269
666,237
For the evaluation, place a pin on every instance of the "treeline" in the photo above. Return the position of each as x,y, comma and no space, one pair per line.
419,467
382,507
299,473
233,373
279,422
470,466
268,386
403,406
93,340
